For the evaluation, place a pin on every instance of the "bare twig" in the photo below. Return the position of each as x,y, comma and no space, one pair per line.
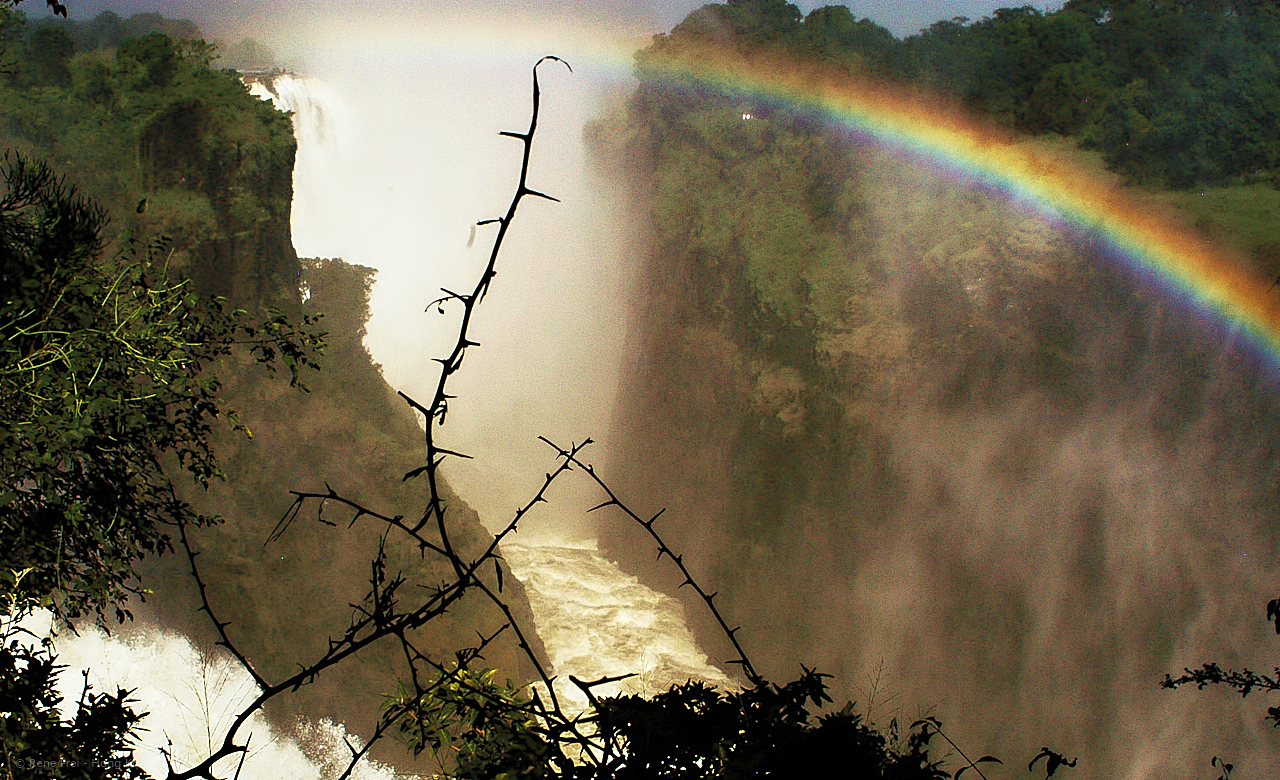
571,456
378,616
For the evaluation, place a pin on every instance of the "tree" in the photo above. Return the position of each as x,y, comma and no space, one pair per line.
35,739
49,51
105,395
1244,681
154,55
482,730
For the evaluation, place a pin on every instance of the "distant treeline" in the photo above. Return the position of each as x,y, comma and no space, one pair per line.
40,49
108,30
136,113
1182,92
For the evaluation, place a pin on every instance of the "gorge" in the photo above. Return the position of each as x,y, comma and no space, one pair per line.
942,443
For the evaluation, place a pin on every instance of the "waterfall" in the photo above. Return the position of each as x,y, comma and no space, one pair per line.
191,696
597,621
393,173
594,619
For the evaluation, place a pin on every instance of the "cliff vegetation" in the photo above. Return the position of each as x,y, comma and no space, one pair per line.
906,423
136,115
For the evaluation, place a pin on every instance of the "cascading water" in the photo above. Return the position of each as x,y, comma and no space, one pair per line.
594,619
599,622
398,157
191,697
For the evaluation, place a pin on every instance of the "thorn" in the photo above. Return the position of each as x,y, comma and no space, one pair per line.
509,134
526,191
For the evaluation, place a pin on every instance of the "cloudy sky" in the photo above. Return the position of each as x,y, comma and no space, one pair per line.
239,17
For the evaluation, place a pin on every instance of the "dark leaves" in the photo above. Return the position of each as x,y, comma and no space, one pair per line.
104,392
1053,761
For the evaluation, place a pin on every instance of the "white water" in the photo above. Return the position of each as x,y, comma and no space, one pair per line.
594,619
192,696
398,159
598,622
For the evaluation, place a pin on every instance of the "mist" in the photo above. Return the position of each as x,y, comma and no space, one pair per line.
1024,562
406,158
950,525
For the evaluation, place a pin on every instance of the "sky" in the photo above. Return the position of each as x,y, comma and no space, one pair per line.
233,18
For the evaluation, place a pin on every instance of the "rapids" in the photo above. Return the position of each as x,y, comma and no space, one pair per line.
594,619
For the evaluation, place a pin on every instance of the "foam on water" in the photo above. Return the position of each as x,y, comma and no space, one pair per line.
191,697
597,621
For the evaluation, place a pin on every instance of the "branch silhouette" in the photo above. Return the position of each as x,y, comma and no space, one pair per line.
690,730
379,616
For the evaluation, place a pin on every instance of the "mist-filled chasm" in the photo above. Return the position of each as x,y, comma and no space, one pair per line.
958,455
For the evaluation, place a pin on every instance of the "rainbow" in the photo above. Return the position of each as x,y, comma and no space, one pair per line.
1181,261
1205,277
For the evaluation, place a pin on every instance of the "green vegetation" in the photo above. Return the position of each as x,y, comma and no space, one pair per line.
106,395
102,376
134,355
36,740
780,245
817,306
1179,92
165,142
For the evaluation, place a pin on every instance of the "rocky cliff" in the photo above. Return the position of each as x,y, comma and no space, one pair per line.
177,149
953,453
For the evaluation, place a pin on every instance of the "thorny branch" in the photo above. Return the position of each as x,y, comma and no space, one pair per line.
600,746
571,456
379,617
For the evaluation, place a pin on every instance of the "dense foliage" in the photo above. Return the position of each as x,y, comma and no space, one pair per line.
36,739
108,399
772,218
852,360
688,731
162,139
169,145
1183,92
102,375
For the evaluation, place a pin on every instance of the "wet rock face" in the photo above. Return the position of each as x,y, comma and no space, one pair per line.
950,482
211,167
